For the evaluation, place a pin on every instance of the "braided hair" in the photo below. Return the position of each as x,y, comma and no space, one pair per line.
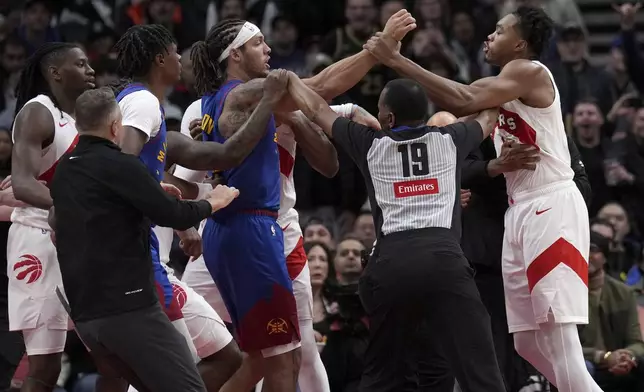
33,80
209,73
137,50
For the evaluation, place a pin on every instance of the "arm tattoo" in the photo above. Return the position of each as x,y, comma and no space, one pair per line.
231,123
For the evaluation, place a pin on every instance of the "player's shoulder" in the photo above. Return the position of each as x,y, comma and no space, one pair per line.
525,70
143,98
35,115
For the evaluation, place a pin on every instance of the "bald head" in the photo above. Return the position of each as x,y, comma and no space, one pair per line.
98,113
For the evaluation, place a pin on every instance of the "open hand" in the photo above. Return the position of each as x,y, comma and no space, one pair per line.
399,24
363,117
276,84
171,189
384,48
627,11
190,242
221,196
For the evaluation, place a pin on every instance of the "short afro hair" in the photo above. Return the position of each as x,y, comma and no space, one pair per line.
535,27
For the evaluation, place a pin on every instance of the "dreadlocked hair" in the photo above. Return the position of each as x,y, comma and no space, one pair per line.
32,80
209,72
138,48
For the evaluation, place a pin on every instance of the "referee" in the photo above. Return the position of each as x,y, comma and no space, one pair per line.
417,274
104,203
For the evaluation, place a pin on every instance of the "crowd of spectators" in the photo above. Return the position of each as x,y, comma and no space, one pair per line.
602,106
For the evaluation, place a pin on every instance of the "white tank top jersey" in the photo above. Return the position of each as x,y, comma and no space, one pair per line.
540,127
65,139
287,216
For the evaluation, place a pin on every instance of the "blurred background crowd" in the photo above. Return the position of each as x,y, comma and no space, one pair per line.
597,63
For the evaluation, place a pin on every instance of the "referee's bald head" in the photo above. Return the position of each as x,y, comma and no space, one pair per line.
403,102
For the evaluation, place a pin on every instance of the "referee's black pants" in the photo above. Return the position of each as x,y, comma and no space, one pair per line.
419,286
145,348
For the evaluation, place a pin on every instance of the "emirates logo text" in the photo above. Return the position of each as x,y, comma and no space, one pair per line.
416,188
29,267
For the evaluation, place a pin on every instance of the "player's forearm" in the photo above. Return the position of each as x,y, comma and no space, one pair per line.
341,76
446,94
31,191
308,101
317,149
189,190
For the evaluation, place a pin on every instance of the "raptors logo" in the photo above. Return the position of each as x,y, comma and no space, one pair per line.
276,325
29,267
179,295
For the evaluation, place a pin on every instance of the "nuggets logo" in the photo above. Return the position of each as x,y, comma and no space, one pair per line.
29,267
179,295
276,325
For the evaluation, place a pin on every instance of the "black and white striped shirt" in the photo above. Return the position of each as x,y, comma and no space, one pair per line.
412,174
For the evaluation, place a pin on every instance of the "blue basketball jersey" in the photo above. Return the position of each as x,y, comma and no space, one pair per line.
154,151
258,176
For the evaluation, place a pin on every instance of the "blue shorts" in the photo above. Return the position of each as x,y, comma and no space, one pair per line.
162,283
245,256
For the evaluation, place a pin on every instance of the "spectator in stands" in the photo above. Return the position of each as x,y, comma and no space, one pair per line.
285,52
316,231
612,340
364,228
348,260
616,68
388,8
626,243
467,50
13,53
632,56
587,122
320,260
36,28
576,78
638,130
106,71
431,13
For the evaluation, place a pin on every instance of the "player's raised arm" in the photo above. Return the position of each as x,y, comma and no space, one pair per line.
514,81
34,127
311,104
331,82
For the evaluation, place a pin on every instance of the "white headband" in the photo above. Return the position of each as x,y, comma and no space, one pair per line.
247,32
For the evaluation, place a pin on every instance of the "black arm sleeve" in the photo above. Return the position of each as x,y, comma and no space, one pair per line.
581,178
354,138
131,180
467,136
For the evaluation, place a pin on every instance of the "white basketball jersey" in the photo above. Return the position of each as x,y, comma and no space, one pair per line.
543,128
65,139
287,216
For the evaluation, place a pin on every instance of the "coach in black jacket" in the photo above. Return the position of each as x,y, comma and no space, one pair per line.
482,238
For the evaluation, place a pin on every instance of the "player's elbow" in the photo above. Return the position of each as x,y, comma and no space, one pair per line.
21,188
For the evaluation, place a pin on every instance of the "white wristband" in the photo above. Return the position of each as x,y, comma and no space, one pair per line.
344,110
204,190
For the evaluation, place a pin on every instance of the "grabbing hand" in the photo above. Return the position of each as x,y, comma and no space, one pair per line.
363,117
514,156
6,183
399,24
383,48
171,189
276,84
190,242
627,11
466,195
195,128
7,198
221,196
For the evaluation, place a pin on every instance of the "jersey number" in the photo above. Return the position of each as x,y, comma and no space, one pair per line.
415,160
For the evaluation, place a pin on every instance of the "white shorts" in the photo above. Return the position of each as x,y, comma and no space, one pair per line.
34,274
207,330
545,258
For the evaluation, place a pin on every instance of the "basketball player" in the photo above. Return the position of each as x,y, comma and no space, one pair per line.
147,57
234,53
320,153
546,241
54,76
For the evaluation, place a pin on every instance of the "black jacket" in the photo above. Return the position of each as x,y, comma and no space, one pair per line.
105,202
